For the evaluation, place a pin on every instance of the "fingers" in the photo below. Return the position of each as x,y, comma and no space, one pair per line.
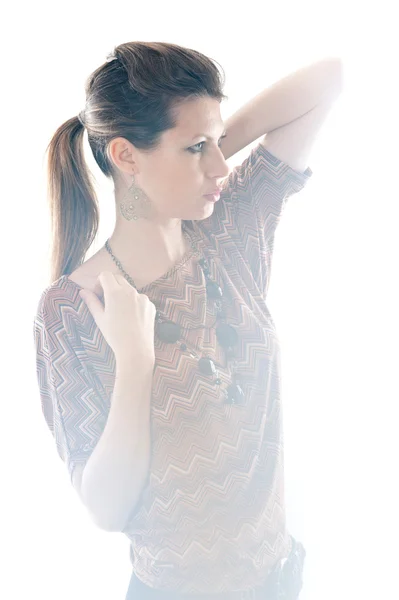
112,281
109,279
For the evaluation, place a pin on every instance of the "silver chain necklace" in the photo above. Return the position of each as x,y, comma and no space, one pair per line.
170,332
194,250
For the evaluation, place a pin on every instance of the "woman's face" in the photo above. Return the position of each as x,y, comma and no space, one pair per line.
186,166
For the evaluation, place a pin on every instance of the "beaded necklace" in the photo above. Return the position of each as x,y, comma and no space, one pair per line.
227,336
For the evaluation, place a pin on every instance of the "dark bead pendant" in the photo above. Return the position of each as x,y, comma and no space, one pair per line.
234,394
206,366
213,290
220,312
230,352
204,265
168,331
226,335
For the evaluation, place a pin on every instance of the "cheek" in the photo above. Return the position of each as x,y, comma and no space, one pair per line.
175,182
184,187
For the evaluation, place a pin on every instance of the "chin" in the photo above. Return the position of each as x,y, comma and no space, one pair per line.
205,211
199,213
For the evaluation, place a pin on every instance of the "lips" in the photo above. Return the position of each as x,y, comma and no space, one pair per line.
214,192
212,197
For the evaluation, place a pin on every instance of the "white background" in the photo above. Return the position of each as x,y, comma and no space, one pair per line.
333,292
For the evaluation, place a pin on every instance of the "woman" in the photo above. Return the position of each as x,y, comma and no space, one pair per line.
157,358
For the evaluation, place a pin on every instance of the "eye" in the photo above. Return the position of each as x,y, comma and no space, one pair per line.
200,144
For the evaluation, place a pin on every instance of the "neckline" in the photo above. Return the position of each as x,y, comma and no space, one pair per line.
194,239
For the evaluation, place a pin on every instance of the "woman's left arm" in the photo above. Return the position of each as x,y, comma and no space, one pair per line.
289,114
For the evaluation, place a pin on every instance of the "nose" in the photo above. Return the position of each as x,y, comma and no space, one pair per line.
226,168
220,167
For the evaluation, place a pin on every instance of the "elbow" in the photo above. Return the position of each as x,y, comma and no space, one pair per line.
101,518
107,524
115,521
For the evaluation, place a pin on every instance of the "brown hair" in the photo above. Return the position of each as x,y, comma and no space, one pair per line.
134,96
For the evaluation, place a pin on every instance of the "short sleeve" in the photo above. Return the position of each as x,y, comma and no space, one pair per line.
250,207
73,401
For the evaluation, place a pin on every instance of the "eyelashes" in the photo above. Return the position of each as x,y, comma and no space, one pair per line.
201,144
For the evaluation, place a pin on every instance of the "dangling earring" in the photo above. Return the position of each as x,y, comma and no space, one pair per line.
137,204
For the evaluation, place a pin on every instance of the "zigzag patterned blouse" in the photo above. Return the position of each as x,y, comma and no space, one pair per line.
211,517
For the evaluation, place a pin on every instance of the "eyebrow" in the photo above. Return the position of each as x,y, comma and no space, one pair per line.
207,137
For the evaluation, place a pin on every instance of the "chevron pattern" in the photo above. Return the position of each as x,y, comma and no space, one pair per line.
212,515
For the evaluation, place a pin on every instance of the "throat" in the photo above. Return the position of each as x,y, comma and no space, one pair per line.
149,270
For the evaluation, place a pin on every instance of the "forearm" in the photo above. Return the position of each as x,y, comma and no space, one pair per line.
283,102
116,471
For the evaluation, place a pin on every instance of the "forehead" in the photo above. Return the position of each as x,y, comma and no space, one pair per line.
199,117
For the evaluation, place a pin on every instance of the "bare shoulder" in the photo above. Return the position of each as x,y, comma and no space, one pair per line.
86,274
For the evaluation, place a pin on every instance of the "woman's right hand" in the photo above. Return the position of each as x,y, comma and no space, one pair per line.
126,319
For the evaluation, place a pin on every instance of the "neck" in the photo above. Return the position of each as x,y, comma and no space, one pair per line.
147,250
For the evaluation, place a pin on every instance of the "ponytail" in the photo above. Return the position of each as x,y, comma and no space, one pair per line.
73,203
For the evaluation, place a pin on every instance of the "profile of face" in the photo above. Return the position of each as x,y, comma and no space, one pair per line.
188,164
